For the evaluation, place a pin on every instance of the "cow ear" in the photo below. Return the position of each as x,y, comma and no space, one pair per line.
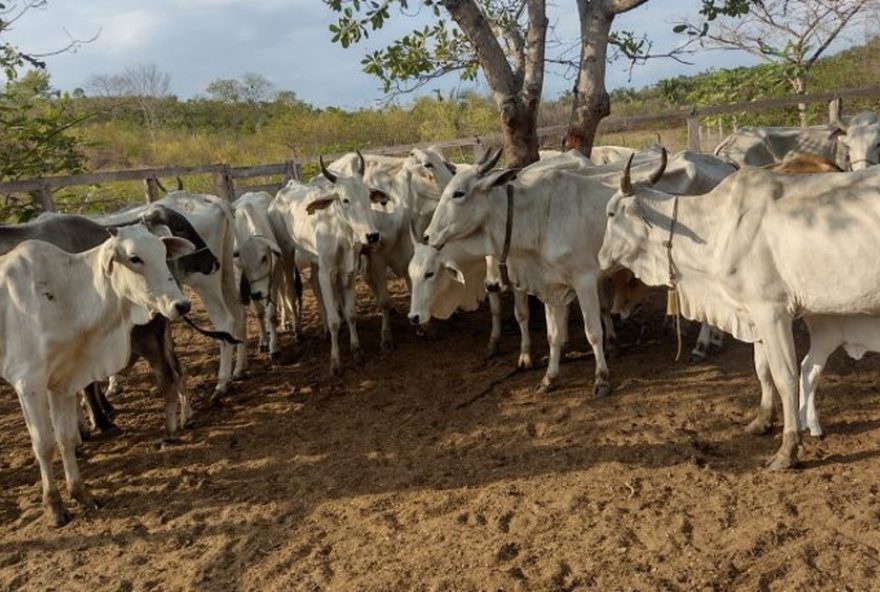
108,255
177,247
321,203
500,177
273,246
378,196
455,273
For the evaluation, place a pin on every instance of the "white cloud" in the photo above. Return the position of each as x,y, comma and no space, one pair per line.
127,31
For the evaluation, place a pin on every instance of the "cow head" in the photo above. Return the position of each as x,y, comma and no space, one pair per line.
351,198
440,285
628,226
628,293
257,256
464,204
862,138
134,260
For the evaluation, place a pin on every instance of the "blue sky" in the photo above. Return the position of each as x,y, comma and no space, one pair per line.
288,42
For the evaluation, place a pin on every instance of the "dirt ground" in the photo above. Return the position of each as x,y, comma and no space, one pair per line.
411,473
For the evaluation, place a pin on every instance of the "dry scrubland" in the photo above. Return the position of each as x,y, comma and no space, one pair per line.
410,473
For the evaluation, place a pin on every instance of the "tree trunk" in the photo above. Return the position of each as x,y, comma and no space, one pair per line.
591,101
519,131
800,88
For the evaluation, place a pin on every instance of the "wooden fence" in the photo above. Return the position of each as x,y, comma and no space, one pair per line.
225,176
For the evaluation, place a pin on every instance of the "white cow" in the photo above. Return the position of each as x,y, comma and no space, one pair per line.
856,142
758,251
326,224
213,220
259,258
66,322
551,222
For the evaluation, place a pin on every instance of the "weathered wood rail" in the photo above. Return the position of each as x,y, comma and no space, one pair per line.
225,176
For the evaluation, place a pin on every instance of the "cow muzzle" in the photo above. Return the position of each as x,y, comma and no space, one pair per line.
182,307
372,238
414,319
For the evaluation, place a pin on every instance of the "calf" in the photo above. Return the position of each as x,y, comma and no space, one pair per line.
66,321
259,257
326,224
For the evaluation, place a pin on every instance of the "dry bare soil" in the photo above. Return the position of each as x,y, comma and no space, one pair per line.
411,473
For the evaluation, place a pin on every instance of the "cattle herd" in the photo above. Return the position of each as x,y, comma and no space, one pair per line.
779,224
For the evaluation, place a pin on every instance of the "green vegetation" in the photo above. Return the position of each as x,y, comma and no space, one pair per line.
110,132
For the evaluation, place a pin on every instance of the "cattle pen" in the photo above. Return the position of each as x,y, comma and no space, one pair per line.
225,178
431,467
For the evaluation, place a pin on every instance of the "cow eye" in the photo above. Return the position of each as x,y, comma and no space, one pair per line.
610,214
265,258
135,259
458,194
429,165
346,201
429,275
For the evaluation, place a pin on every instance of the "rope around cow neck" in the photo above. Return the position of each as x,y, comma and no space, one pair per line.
508,230
673,306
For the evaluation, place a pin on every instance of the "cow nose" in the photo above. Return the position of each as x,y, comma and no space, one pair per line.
373,238
257,295
215,266
182,307
426,238
414,319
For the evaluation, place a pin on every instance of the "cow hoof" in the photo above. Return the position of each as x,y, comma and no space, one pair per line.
781,463
167,442
759,427
239,375
818,433
387,345
695,358
80,452
335,370
493,349
110,430
600,391
524,362
357,355
545,386
275,356
264,349
85,435
86,499
110,410
58,517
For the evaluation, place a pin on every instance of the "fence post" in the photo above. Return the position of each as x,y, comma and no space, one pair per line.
478,148
151,189
693,127
43,198
224,186
835,109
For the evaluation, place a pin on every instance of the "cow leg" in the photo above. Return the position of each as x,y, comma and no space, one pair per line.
495,335
272,331
316,288
349,304
609,332
114,389
331,317
263,342
83,420
521,312
35,407
96,410
588,298
775,328
63,409
378,279
223,320
557,333
821,346
297,302
764,419
701,350
716,337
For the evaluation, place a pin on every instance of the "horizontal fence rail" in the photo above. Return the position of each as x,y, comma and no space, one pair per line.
225,175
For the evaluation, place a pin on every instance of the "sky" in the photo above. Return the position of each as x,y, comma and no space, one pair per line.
288,41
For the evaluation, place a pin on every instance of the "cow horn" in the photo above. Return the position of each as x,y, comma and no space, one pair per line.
416,239
179,184
658,174
160,186
834,108
362,165
330,176
488,165
626,188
